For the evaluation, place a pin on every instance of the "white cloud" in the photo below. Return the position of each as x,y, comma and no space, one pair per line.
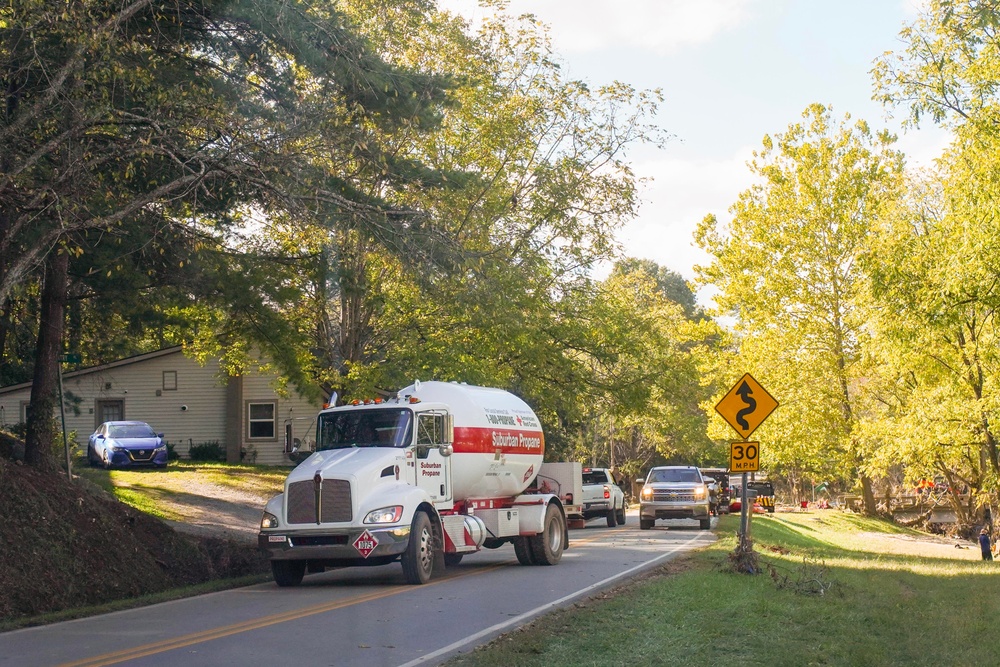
683,192
659,26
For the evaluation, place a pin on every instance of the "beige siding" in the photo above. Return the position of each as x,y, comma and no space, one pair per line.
292,410
193,413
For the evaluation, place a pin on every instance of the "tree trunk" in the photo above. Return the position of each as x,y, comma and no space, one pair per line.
39,449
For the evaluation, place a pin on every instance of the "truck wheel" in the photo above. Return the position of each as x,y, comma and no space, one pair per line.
288,572
706,524
418,559
620,516
522,549
612,521
452,559
646,524
547,546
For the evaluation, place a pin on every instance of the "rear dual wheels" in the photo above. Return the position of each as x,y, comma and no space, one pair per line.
612,520
545,548
620,515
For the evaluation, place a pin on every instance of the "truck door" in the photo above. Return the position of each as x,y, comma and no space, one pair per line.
433,471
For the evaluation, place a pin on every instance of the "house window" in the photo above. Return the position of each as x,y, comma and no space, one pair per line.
109,410
261,421
170,380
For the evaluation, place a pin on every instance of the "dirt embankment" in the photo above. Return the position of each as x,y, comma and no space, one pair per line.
71,544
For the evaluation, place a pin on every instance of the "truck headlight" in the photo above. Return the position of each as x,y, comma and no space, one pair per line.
699,492
268,521
647,492
385,515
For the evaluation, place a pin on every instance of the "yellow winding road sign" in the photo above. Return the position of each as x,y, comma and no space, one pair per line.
746,406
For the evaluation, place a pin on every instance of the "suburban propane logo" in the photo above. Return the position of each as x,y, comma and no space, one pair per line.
516,440
516,418
430,469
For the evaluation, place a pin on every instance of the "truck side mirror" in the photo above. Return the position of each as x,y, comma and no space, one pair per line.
449,432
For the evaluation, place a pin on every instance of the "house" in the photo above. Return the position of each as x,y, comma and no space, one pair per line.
189,403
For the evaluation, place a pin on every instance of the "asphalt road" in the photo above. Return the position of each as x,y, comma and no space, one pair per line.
365,617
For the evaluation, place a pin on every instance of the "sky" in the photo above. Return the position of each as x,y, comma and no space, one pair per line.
731,71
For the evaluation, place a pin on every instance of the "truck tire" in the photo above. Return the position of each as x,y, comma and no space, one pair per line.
620,516
547,546
452,559
612,521
522,549
288,572
418,559
646,524
706,524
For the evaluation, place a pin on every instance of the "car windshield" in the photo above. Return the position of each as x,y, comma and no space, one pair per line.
674,475
364,428
131,431
595,477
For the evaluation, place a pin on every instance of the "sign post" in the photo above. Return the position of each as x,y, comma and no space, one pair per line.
745,407
70,358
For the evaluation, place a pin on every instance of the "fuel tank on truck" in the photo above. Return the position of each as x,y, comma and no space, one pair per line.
498,442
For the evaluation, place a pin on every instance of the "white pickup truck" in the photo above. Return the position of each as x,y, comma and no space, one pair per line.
602,497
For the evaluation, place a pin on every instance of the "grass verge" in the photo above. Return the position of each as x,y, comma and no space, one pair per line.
836,589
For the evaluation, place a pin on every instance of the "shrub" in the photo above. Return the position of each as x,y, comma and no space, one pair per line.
208,451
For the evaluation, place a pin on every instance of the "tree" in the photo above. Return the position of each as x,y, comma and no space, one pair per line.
788,272
189,113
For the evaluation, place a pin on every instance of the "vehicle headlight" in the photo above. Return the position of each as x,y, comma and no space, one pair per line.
162,447
647,492
268,521
699,492
385,515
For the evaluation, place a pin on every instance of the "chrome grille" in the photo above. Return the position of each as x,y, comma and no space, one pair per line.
680,496
335,502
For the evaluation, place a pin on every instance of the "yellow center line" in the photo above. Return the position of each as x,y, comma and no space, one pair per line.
254,624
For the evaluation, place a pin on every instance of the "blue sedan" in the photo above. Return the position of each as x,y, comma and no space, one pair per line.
125,444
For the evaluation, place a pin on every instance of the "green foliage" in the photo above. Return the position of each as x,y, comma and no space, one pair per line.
788,269
207,451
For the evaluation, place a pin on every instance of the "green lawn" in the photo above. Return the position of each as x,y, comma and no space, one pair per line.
838,589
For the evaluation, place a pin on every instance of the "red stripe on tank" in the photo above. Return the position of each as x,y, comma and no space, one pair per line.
478,440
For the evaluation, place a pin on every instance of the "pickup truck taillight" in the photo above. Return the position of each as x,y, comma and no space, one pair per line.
607,492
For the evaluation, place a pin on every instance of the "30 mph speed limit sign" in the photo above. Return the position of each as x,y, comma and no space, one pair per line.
744,457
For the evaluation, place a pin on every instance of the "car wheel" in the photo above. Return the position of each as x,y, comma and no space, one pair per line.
523,551
548,545
646,524
706,524
418,559
610,516
105,460
620,516
90,457
452,559
288,572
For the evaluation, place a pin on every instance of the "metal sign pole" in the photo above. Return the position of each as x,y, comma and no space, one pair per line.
744,517
62,415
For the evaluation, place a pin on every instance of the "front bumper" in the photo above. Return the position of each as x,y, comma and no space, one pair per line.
667,510
331,544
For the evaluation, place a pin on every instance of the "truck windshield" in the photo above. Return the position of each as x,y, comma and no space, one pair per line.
391,427
674,475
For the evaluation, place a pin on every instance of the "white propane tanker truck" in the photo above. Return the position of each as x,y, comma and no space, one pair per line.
439,471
